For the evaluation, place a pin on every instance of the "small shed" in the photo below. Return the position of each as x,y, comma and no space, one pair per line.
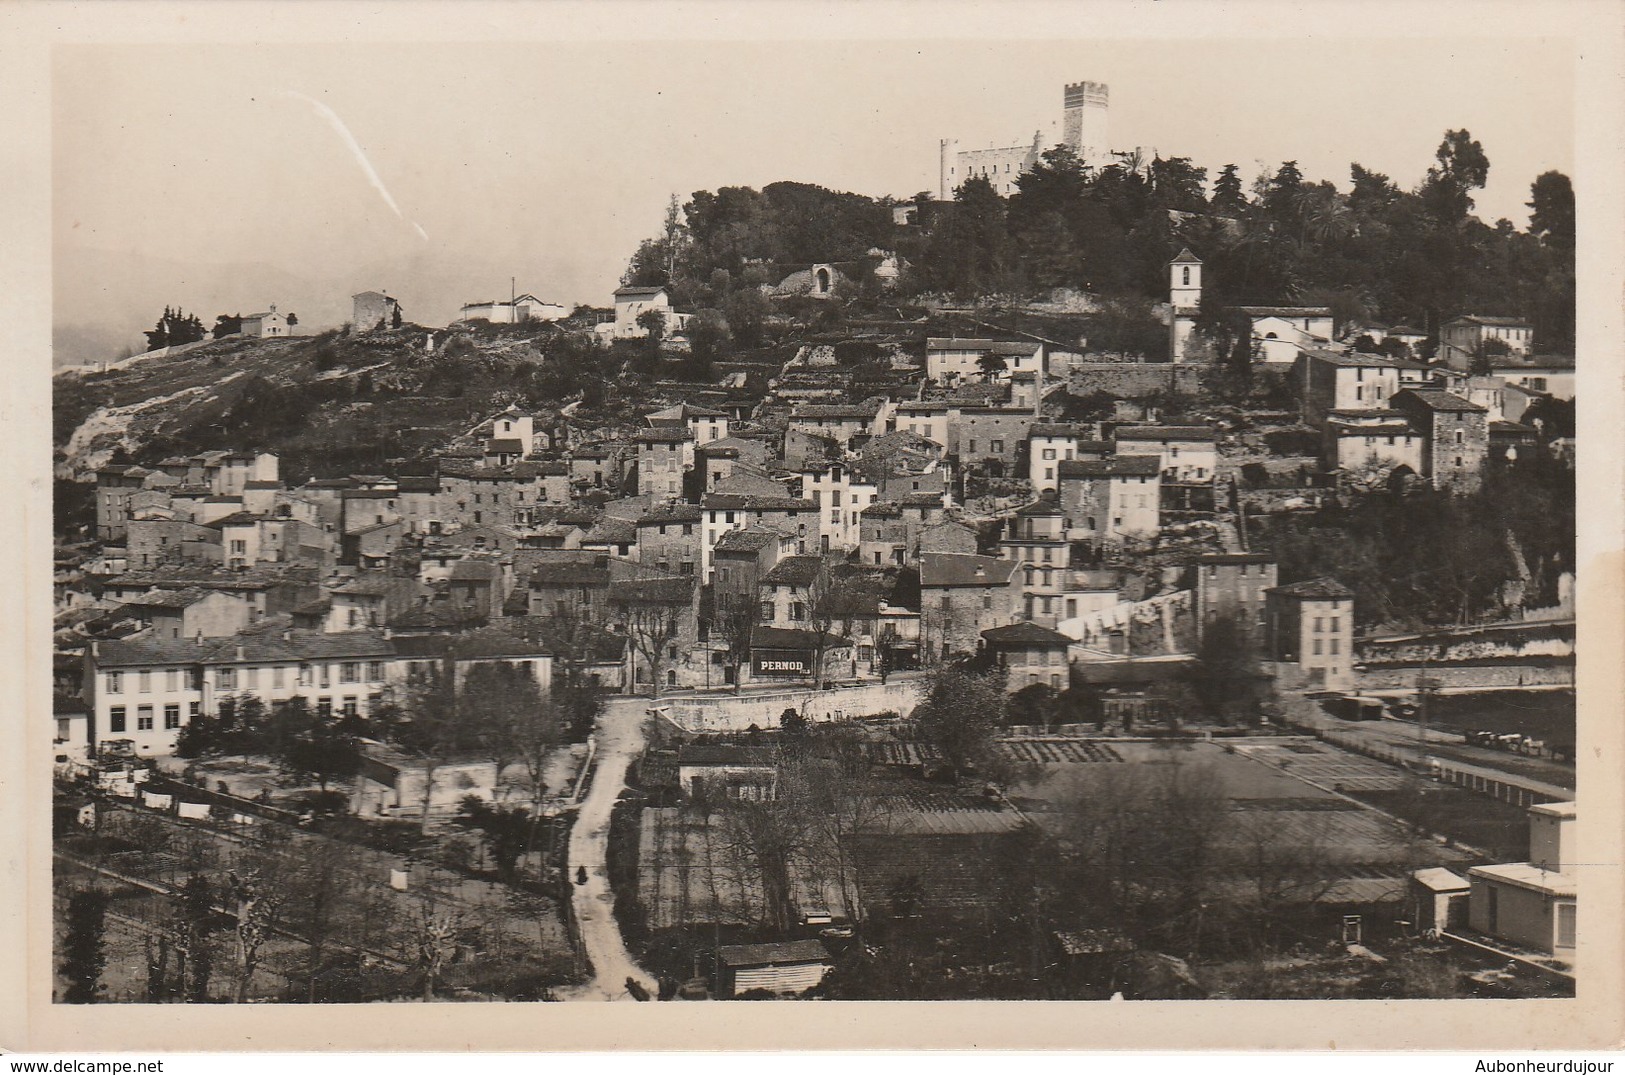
777,967
1093,957
1438,899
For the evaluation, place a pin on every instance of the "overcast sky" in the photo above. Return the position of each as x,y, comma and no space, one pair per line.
550,162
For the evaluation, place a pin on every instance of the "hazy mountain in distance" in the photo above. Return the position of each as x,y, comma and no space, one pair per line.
106,299
103,300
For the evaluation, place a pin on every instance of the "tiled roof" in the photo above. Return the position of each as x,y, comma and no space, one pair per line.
753,502
1185,257
996,347
559,567
1438,400
833,410
145,650
1123,466
1042,506
1025,634
1059,429
470,645
765,637
1351,359
748,539
637,292
611,532
662,435
236,518
793,571
1285,311
678,590
1314,588
676,512
938,569
1108,672
1532,362
504,445
471,570
1491,320
1088,942
1192,433
757,955
157,598
725,754
1235,558
367,585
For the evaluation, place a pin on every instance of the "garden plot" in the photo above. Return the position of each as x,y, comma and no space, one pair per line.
902,754
1344,850
694,868
1327,766
1059,751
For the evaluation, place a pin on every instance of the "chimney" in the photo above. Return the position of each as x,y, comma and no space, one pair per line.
287,634
239,653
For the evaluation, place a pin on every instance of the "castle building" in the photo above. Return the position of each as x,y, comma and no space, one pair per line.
1083,127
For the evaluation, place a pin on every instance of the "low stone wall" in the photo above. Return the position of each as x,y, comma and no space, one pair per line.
736,713
1133,380
1538,642
1510,674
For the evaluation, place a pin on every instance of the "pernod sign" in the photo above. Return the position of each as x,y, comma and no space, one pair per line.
780,662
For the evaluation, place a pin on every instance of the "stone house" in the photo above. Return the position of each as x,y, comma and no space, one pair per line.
1188,453
792,516
151,542
1111,500
1356,442
665,454
739,562
374,310
1309,634
1029,655
267,324
1050,443
660,612
951,359
840,422
1231,586
630,302
1461,338
1036,540
993,438
193,612
669,538
1334,381
962,595
1457,433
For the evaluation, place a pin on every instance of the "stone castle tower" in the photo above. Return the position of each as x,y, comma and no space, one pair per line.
1084,121
1083,127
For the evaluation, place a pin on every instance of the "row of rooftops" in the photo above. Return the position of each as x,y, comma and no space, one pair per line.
275,642
1367,360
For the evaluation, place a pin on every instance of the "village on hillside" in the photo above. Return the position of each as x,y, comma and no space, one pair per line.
860,614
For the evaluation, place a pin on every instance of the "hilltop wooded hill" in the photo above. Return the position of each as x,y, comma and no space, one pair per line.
1372,252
